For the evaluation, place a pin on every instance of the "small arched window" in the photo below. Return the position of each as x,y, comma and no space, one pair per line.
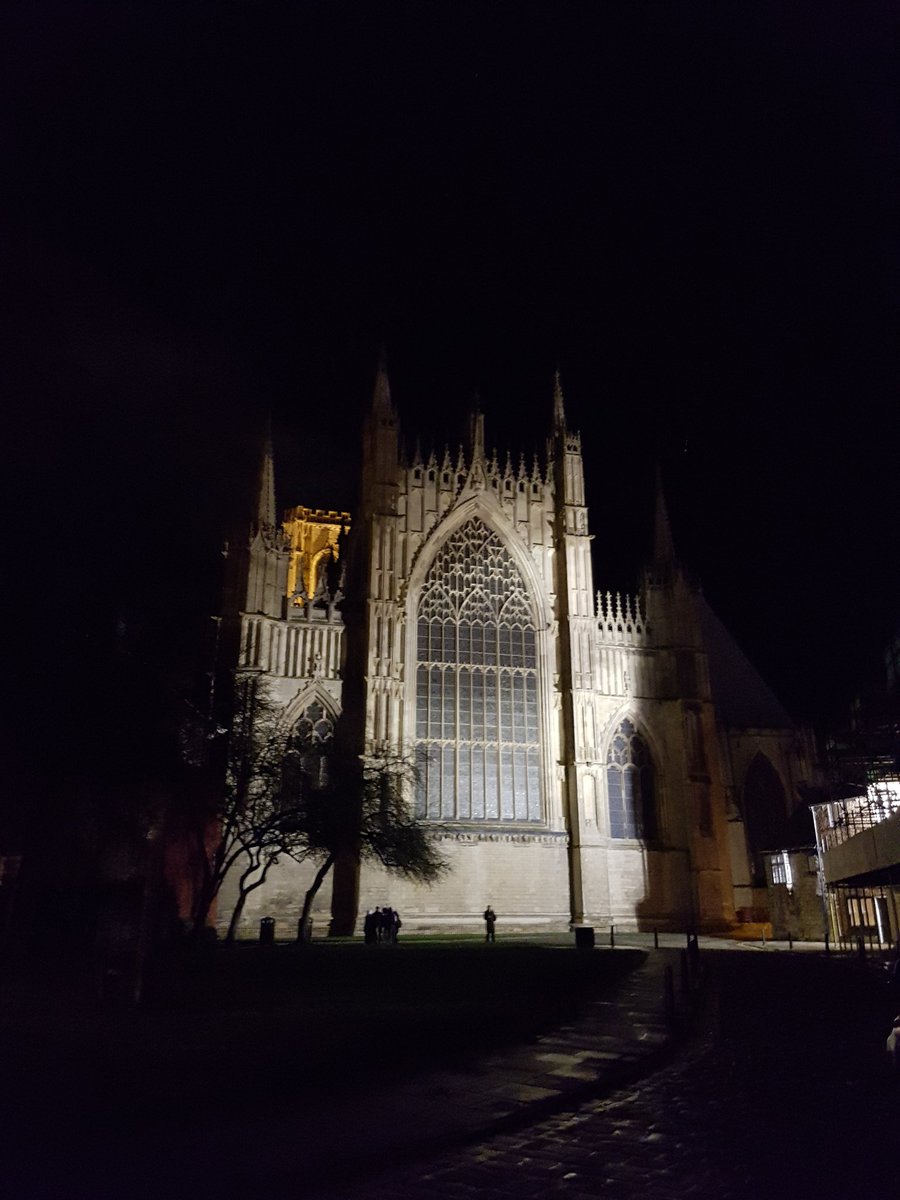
630,786
311,740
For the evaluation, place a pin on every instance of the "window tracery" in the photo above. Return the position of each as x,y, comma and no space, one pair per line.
630,786
311,739
477,712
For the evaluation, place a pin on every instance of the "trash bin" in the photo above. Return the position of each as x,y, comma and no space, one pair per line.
267,931
584,937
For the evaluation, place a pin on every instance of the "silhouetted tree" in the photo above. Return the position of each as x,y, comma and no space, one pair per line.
271,800
362,811
252,818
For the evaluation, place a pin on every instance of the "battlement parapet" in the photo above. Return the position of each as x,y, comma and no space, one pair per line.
318,516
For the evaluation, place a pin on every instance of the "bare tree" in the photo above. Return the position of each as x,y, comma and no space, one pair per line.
274,799
249,823
362,811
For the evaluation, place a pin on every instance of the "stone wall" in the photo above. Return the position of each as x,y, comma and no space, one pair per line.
525,875
797,911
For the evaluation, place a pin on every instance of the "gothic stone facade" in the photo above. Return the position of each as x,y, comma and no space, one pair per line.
570,743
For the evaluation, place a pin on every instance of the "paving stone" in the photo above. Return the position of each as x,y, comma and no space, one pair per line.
694,1129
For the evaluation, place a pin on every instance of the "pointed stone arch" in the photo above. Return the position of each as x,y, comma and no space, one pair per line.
312,693
491,514
765,811
632,775
310,732
477,717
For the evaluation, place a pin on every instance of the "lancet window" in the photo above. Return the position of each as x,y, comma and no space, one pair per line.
765,809
477,710
630,786
311,740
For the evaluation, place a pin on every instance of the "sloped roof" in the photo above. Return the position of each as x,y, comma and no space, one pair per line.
742,697
797,833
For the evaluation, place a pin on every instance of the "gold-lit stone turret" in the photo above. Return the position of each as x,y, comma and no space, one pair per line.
313,534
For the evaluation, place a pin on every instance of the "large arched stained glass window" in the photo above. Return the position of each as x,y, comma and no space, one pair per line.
477,739
629,782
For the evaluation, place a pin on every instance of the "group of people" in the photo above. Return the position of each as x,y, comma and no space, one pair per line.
381,925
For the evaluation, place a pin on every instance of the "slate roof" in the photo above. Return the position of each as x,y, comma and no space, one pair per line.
797,833
743,699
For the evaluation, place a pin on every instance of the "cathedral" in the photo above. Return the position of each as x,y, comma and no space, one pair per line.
584,758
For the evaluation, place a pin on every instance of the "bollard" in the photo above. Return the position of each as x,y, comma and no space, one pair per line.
655,939
693,953
790,940
612,937
584,937
827,943
764,937
669,990
685,972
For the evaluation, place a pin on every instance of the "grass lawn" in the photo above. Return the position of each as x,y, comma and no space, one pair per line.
286,1025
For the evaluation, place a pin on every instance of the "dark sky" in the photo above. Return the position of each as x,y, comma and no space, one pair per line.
213,212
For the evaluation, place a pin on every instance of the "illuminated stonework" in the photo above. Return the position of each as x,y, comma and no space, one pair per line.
477,731
313,535
583,756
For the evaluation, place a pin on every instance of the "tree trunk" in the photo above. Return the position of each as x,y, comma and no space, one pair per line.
311,895
243,893
345,894
208,887
235,917
203,903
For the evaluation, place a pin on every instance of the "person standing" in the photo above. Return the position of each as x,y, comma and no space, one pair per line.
490,920
370,928
893,1046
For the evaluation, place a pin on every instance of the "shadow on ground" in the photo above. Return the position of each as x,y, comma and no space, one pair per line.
260,1030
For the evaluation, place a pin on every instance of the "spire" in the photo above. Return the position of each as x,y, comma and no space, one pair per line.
381,397
663,545
559,411
381,440
265,496
476,429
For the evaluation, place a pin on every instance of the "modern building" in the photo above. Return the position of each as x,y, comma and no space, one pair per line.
586,758
858,828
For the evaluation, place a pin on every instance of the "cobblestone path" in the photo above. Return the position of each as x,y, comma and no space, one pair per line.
783,1093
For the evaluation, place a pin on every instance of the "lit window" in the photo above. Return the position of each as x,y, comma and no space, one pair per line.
781,870
477,730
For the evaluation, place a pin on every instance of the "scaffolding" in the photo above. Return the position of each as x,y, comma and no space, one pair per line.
862,916
862,913
839,820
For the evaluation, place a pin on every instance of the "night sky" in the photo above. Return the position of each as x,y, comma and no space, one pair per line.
217,212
